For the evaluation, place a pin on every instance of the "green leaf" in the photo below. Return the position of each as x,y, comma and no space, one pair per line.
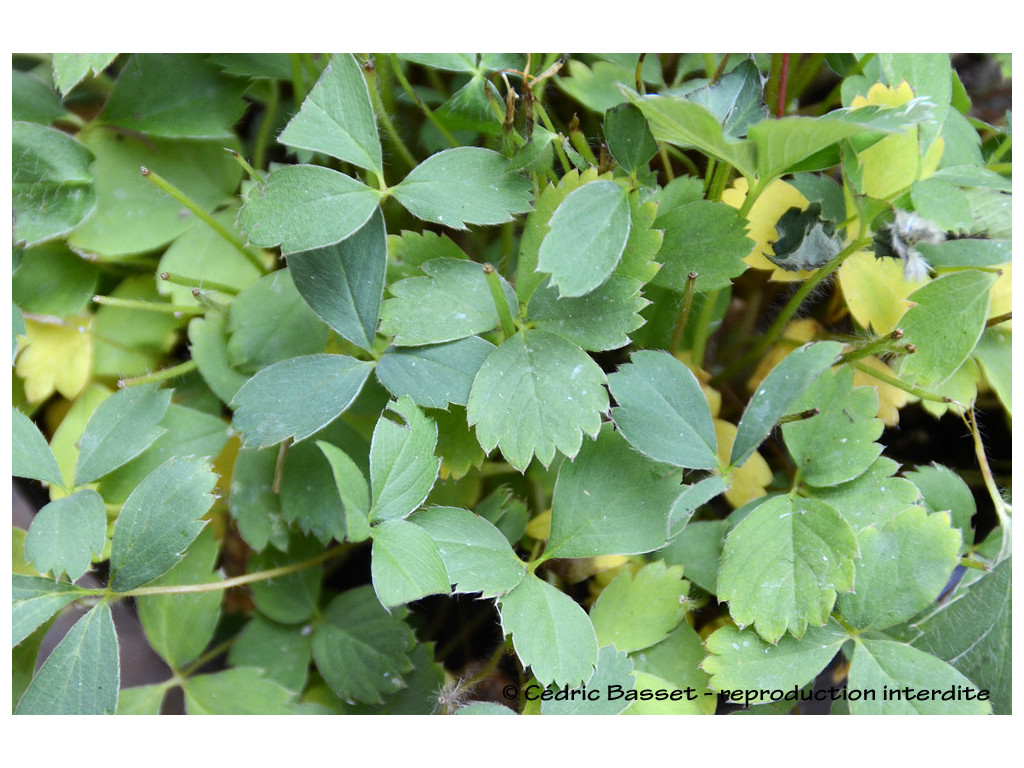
945,325
122,427
453,301
297,397
995,354
705,237
209,342
176,95
551,633
967,253
929,74
942,203
610,500
419,695
67,533
282,652
507,513
884,666
777,393
598,321
35,600
452,62
337,118
52,187
599,88
484,708
740,661
344,283
128,341
354,492
403,467
588,234
476,555
903,567
30,455
69,69
54,281
361,650
698,549
293,597
691,499
662,411
942,490
783,144
159,520
302,207
164,616
782,566
973,633
537,393
81,676
141,700
734,99
629,139
276,66
612,679
406,564
873,497
465,185
239,691
254,505
674,665
434,376
638,610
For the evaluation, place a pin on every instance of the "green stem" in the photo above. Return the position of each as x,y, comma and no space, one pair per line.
1003,510
1001,150
977,565
508,326
546,122
372,79
666,163
191,282
684,313
802,416
215,225
878,346
719,181
682,157
894,382
164,374
298,79
209,656
700,337
253,173
265,131
397,69
148,306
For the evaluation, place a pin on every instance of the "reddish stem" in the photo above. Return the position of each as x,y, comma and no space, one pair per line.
783,78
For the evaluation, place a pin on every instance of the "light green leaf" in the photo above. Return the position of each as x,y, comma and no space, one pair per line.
276,66
782,566
141,700
967,253
52,186
403,467
354,492
476,555
945,325
783,144
629,139
597,322
292,598
30,455
705,237
610,500
612,680
297,397
662,411
942,490
506,512
159,520
777,393
995,354
452,62
537,393
588,234
337,117
406,564
344,283
638,610
302,207
35,600
551,633
942,203
361,650
929,74
282,652
484,708
872,498
692,498
69,69
465,185
434,376
883,665
674,665
741,661
453,301
122,427
128,341
903,567
599,88
239,691
209,342
973,633
67,533
82,675
164,616
457,446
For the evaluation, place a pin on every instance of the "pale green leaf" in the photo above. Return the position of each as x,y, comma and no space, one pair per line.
434,376
81,675
141,700
30,455
612,680
995,354
872,498
297,397
69,69
406,564
484,708
638,610
662,411
705,237
611,500
598,321
35,600
943,204
239,691
782,566
403,467
930,75
354,492
337,117
67,533
673,665
535,394
942,490
551,633
159,520
452,62
967,252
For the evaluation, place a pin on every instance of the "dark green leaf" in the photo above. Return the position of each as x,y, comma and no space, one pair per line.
406,564
282,652
33,101
692,498
30,455
629,139
735,99
403,467
434,376
698,549
254,506
704,237
53,281
35,600
67,533
292,598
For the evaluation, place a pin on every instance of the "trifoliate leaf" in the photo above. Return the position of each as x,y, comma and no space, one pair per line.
403,467
465,185
406,564
598,321
337,117
611,500
638,610
67,533
705,237
551,633
782,566
612,681
873,497
434,376
31,456
238,691
662,411
34,600
534,394
452,302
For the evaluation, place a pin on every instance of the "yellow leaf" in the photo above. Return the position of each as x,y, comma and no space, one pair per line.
764,214
57,357
539,528
876,291
890,398
1001,300
749,480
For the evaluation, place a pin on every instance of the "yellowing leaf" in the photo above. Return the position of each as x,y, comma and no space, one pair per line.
776,199
802,330
749,480
55,357
890,398
876,290
64,443
539,527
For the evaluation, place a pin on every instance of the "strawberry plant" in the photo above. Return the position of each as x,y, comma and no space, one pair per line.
513,384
